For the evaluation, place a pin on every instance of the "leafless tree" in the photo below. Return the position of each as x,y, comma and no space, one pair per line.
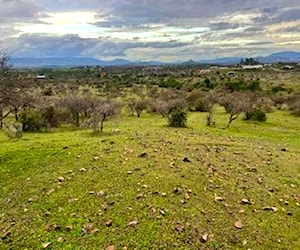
101,110
236,103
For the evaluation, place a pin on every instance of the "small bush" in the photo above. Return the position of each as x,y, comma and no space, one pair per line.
256,115
177,118
31,120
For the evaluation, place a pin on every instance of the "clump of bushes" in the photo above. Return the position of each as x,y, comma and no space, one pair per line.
177,118
31,120
256,115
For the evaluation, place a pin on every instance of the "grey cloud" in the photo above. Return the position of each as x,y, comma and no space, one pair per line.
20,11
74,46
224,26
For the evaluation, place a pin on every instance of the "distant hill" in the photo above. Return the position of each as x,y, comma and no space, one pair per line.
285,57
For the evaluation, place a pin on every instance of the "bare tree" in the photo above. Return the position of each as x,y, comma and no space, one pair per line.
101,110
77,106
137,106
236,103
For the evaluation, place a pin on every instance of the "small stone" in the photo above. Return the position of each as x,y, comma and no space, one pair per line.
60,239
218,198
133,223
246,201
186,159
143,155
129,172
283,149
177,190
245,242
179,228
91,192
162,212
101,193
96,158
186,196
238,225
163,194
235,239
47,244
5,235
30,200
112,247
274,209
82,170
205,237
108,223
61,179
69,228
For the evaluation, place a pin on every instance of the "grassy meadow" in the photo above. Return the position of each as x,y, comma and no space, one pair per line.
143,185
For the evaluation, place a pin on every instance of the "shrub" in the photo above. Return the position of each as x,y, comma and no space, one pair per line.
177,118
256,115
31,120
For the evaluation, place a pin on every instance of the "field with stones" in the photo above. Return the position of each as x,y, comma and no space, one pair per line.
141,184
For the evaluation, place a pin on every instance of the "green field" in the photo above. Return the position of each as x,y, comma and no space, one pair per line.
190,188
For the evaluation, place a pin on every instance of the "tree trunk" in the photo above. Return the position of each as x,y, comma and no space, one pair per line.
102,123
1,119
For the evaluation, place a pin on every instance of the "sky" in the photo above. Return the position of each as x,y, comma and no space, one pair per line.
149,30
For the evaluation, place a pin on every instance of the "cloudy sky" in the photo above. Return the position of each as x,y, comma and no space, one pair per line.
160,30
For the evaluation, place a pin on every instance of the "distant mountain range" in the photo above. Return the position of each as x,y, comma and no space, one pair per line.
284,57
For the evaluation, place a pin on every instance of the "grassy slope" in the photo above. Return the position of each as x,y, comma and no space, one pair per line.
243,162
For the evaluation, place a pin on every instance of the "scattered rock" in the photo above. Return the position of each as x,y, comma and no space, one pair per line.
140,195
177,190
246,201
133,223
108,223
5,235
179,228
112,247
69,228
238,225
274,209
143,155
283,149
186,159
87,228
235,239
47,244
61,179
186,196
60,239
205,237
96,158
260,180
218,198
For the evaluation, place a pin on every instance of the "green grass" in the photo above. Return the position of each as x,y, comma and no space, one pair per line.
105,178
